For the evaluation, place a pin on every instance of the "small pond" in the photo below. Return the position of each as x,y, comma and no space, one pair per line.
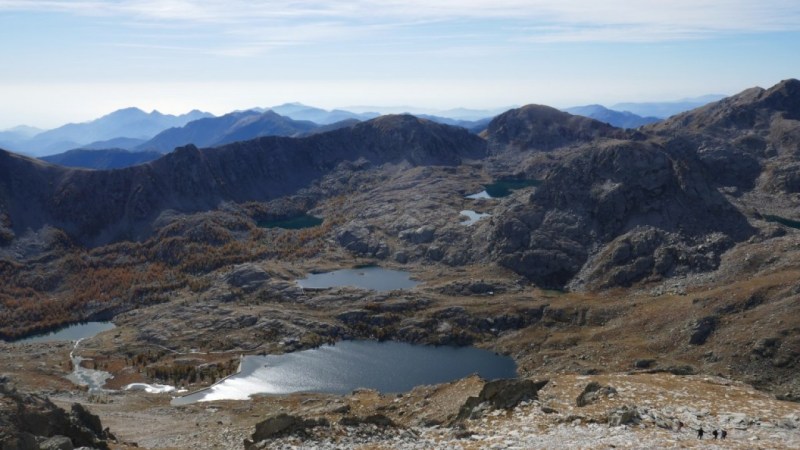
472,217
371,277
69,333
503,188
783,221
292,223
388,367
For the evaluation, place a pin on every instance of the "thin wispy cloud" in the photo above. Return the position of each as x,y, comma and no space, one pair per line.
548,21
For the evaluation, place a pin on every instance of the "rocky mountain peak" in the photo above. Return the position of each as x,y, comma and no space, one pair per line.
752,108
391,122
784,96
539,127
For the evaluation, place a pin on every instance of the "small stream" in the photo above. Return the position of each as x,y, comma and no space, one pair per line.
92,379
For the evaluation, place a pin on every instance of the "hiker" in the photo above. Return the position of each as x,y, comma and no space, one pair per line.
724,434
700,433
715,433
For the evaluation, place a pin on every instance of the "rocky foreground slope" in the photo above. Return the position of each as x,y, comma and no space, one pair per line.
670,249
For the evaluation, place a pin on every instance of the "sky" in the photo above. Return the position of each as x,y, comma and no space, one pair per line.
72,61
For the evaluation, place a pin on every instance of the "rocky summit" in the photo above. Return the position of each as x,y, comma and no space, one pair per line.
644,282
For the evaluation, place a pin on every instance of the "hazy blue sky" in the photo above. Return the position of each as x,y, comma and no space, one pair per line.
75,60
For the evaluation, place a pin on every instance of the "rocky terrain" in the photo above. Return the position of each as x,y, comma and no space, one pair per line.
661,263
28,421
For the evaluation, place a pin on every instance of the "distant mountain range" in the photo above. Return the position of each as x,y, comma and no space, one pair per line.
128,123
464,114
124,143
662,110
10,137
216,131
299,111
473,120
620,119
232,127
475,126
135,130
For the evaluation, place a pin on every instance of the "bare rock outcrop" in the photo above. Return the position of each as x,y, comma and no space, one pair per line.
628,209
593,392
248,277
703,329
27,419
501,394
281,425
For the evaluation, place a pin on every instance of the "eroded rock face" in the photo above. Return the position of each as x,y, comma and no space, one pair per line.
703,329
647,253
379,420
247,276
57,443
358,238
421,235
623,416
645,207
282,425
593,392
26,419
501,394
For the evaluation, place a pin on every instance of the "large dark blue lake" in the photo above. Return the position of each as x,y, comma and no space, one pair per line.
372,277
385,366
